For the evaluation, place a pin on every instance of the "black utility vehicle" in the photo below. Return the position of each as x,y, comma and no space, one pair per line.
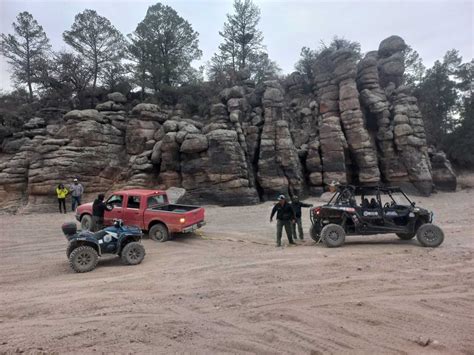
372,210
85,247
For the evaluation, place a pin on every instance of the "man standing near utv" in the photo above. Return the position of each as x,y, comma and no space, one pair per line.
76,190
285,217
297,205
98,210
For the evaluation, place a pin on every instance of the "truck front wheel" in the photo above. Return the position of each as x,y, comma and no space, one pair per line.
159,233
86,222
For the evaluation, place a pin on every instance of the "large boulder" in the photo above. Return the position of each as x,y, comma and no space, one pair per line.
117,97
194,143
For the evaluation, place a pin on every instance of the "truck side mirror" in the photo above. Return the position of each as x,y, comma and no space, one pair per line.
109,206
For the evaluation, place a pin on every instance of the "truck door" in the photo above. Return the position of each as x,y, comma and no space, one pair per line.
116,201
132,214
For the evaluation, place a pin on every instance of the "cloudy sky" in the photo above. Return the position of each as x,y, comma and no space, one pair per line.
430,27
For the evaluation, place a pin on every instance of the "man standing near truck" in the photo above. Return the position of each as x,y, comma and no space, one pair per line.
98,210
76,190
297,205
285,217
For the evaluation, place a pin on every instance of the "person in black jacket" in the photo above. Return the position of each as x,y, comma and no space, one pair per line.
297,205
285,217
98,210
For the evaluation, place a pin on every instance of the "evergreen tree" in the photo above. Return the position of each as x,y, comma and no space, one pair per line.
163,47
96,40
26,50
242,47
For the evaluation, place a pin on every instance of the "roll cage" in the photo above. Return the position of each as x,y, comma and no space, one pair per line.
345,195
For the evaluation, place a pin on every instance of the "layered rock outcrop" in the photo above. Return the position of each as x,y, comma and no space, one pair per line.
359,125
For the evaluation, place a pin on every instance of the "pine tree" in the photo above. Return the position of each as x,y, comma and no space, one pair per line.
26,50
96,40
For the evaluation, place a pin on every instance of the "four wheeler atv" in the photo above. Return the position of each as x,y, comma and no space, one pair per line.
388,211
85,247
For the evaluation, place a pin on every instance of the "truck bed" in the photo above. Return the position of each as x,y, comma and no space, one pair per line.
175,208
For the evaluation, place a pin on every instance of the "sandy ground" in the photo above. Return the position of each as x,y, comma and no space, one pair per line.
230,290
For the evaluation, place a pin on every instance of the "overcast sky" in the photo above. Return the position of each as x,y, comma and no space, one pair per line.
430,27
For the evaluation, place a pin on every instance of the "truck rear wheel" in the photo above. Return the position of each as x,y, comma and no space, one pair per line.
333,235
314,234
430,235
86,222
159,233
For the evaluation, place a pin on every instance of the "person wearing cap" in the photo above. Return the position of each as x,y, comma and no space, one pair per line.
296,204
76,190
285,217
98,210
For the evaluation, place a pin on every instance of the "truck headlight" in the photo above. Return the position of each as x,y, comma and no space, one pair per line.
182,220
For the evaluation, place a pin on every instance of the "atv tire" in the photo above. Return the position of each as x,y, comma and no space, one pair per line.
333,235
314,235
133,253
406,236
430,235
86,222
83,259
159,233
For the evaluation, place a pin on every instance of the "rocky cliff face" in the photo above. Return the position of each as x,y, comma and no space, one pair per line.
359,125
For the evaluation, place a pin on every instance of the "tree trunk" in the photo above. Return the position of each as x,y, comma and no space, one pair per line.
28,70
143,86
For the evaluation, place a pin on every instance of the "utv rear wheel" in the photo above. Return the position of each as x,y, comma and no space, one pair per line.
430,235
83,259
86,222
133,253
159,233
314,234
406,236
333,235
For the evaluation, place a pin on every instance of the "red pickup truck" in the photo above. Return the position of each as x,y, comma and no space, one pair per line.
148,210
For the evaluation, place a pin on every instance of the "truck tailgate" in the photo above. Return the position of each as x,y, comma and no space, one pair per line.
177,220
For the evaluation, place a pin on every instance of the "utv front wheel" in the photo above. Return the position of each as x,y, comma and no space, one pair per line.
83,259
314,234
333,235
406,236
159,233
86,222
430,235
133,253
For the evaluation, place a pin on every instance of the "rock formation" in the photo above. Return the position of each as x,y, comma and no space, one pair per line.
358,125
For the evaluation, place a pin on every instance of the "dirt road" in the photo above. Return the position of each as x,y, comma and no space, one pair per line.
230,290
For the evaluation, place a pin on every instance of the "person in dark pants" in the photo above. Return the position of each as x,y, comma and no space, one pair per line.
98,210
61,193
76,190
297,205
285,217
